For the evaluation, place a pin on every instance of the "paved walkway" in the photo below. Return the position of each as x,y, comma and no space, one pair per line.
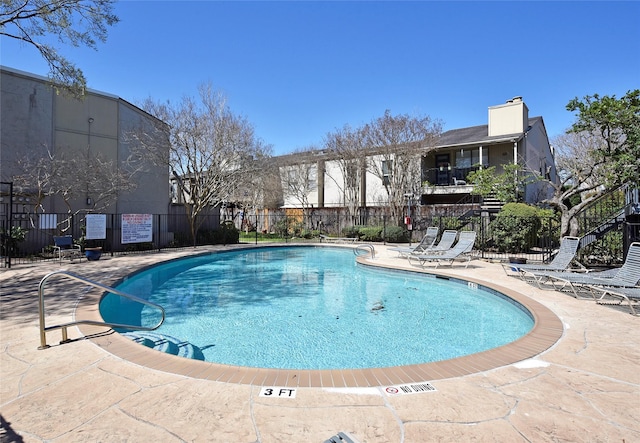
585,388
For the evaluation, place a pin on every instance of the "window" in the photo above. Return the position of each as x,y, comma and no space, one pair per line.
312,178
387,167
467,158
463,159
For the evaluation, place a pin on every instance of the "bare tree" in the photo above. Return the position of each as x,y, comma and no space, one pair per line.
37,177
300,179
346,149
213,152
73,177
74,22
256,191
270,182
396,144
582,172
598,153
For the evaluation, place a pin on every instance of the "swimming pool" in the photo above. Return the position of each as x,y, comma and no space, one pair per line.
315,308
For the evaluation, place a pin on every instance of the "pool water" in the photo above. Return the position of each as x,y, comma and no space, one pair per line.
315,308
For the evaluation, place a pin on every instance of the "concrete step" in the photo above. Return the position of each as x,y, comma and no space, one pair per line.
165,343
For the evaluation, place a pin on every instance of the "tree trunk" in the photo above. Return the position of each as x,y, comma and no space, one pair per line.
569,224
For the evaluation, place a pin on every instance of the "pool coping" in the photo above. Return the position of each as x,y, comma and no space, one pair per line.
546,331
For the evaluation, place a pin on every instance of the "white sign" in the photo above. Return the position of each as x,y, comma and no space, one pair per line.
96,225
277,391
137,228
48,221
415,388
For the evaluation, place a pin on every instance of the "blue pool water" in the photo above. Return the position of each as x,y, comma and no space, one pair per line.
315,308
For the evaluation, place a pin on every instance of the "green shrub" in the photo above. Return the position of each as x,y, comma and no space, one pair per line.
351,231
371,233
516,228
289,227
309,233
227,234
12,239
206,237
396,234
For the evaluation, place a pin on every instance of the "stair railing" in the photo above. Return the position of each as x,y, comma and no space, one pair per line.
606,209
44,329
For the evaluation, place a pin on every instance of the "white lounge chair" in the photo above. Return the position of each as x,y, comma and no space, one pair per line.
328,239
427,242
566,254
447,239
342,437
628,275
459,182
460,251
630,295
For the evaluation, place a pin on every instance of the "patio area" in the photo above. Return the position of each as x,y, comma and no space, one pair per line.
584,388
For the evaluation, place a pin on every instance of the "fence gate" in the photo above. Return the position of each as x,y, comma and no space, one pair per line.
6,207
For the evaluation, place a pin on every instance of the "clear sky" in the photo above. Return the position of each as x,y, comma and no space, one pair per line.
299,69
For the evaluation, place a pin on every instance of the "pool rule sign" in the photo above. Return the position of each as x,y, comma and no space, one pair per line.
96,227
137,228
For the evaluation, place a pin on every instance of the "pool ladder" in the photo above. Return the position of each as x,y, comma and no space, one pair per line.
365,249
44,329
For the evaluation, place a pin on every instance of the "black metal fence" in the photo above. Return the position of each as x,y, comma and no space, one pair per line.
524,238
31,236
499,238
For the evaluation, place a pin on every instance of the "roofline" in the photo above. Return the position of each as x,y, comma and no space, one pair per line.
513,138
516,137
47,80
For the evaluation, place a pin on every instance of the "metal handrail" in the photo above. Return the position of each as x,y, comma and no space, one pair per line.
365,246
44,329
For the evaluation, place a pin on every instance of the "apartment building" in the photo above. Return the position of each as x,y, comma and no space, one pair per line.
39,122
509,137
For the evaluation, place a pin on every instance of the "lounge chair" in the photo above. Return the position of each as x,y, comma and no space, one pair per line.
427,242
65,247
628,275
447,240
459,182
630,295
328,239
460,251
342,437
566,254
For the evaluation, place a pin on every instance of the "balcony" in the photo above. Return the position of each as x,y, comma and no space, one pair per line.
447,177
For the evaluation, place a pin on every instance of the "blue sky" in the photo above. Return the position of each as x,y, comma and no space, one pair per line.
298,70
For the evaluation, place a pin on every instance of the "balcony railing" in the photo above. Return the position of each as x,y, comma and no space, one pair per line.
446,176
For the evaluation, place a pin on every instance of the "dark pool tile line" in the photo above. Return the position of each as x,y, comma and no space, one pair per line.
332,378
546,331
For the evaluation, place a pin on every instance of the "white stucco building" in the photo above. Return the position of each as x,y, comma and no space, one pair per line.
510,136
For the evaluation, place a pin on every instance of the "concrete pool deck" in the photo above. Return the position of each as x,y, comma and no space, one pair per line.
585,387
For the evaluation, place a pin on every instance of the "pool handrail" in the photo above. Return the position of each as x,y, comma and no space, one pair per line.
371,251
65,339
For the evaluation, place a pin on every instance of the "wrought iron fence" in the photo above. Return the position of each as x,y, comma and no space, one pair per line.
498,238
37,231
532,239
